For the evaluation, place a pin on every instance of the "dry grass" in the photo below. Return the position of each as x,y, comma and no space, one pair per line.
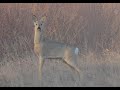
94,29
93,72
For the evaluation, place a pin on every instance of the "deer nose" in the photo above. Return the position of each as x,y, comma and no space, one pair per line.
38,27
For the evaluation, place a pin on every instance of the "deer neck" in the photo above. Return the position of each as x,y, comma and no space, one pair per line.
37,37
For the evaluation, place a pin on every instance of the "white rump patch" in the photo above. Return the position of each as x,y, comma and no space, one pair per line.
76,51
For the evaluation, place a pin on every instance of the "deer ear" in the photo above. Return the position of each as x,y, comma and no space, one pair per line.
43,18
34,18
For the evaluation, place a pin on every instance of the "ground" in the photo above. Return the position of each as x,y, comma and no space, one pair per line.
24,73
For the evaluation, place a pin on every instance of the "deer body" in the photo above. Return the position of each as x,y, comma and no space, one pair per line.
48,49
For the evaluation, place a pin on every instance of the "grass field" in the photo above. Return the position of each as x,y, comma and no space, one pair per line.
94,28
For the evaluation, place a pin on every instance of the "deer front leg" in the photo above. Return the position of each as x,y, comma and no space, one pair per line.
41,62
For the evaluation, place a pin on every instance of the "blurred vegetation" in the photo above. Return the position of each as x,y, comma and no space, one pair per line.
92,27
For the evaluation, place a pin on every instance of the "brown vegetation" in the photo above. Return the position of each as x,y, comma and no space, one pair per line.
94,28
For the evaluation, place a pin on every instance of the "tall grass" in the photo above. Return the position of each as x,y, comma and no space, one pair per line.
94,28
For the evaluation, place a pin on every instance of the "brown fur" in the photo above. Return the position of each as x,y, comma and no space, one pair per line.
51,49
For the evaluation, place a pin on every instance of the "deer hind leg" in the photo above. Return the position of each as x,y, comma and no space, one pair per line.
41,62
71,65
67,60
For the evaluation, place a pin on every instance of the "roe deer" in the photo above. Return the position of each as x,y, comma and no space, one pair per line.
47,49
